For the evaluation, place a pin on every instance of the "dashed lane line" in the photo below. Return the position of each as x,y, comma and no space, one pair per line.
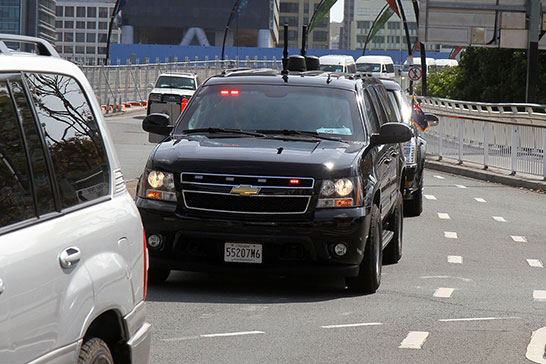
414,340
447,277
536,348
480,319
460,186
519,239
479,199
430,197
443,216
241,333
499,218
455,259
342,326
450,235
539,295
535,263
443,292
439,177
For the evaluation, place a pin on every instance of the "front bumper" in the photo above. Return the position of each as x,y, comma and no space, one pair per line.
140,335
305,247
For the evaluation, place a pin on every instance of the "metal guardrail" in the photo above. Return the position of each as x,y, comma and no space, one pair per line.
119,85
504,136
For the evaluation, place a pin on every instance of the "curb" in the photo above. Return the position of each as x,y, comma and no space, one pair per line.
490,175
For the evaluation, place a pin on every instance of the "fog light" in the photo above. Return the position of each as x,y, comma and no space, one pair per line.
154,241
340,249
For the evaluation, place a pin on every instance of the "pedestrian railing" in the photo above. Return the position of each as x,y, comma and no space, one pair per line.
504,136
123,85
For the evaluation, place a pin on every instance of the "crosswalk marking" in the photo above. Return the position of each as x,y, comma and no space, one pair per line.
414,340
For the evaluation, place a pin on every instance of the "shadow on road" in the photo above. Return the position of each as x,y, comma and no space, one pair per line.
210,288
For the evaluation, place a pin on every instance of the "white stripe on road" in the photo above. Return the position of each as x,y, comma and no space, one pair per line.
499,218
430,197
443,216
351,325
480,319
439,177
455,259
447,277
450,235
535,349
460,186
234,334
414,340
443,292
539,295
479,199
535,263
518,239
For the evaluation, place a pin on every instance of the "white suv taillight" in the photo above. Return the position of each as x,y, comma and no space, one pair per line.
146,266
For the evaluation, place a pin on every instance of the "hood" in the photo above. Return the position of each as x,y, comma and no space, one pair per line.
173,91
258,156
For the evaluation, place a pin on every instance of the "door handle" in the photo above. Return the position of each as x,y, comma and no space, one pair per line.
69,257
2,287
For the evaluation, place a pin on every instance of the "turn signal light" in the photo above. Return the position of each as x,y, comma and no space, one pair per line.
154,194
346,202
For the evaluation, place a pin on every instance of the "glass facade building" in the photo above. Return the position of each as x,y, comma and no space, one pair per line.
28,17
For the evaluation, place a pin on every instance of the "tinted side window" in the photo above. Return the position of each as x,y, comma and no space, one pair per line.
72,137
387,106
40,175
370,113
394,103
390,68
351,68
378,106
16,200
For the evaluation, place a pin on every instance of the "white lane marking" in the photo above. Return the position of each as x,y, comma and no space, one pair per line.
479,199
443,292
351,325
181,338
414,340
439,177
539,295
233,334
430,197
518,239
447,277
450,235
499,218
535,263
460,186
535,349
480,319
443,216
455,259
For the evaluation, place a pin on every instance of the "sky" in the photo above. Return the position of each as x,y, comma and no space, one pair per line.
336,12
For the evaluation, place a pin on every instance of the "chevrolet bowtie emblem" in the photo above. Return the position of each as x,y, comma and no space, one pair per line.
245,190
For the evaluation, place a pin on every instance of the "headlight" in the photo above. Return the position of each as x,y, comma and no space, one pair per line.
410,151
158,185
342,192
155,97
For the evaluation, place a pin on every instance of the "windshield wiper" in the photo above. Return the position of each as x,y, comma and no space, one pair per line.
222,130
313,134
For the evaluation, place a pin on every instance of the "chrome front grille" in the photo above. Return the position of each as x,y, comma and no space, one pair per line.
244,194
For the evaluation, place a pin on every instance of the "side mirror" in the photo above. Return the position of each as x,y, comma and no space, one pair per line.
391,133
432,119
150,85
157,123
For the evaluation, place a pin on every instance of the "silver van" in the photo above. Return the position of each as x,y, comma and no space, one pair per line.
73,261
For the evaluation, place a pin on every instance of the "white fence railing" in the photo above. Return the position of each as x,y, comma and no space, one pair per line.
504,136
117,85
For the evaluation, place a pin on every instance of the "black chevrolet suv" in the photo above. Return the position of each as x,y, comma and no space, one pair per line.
269,171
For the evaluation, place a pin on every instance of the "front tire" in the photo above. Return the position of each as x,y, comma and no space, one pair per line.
414,207
369,275
95,351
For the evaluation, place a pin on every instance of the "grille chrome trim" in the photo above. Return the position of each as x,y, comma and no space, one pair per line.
308,197
246,176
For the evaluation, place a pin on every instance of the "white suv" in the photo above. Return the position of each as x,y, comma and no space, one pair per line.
73,261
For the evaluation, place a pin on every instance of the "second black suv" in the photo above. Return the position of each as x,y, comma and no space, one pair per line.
267,171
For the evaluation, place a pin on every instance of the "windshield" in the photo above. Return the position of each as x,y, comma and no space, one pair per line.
325,111
368,67
331,68
175,82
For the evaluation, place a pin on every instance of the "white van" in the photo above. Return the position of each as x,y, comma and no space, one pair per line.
431,65
447,63
337,63
378,66
73,259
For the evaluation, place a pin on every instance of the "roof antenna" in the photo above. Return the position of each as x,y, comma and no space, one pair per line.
303,39
285,52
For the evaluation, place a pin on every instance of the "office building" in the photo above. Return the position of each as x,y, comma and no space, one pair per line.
82,30
297,13
28,17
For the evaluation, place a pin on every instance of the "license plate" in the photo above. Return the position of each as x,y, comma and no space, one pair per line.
243,253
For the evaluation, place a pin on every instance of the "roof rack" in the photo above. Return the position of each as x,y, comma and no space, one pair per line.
249,71
43,47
